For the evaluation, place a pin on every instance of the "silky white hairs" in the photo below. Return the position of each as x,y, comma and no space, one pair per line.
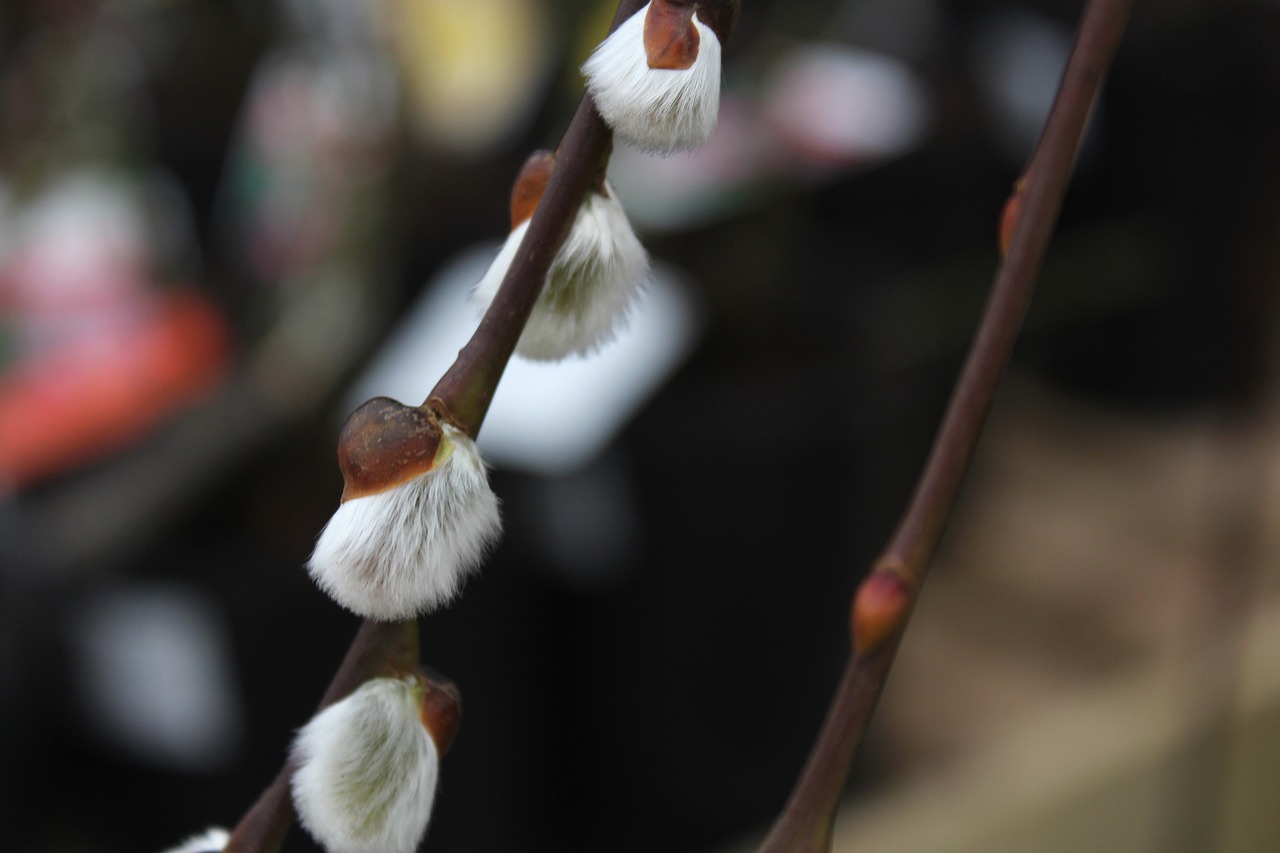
659,110
407,550
212,840
590,288
365,770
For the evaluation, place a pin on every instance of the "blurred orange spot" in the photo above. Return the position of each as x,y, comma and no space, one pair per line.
1009,218
101,393
879,609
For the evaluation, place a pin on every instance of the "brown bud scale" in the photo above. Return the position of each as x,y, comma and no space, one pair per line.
530,184
385,444
441,710
1009,217
879,608
670,38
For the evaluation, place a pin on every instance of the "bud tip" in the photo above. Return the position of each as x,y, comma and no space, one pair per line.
880,607
1009,217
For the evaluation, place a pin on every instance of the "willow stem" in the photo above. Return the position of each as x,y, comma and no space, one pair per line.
379,648
805,825
465,391
463,395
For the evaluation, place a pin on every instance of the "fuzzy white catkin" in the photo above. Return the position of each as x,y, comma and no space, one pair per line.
592,283
212,840
407,550
366,770
659,110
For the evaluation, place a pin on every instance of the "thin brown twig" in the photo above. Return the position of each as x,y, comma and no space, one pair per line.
805,824
463,394
467,387
265,826
379,648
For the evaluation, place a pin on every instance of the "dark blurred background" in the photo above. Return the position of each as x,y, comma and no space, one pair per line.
214,213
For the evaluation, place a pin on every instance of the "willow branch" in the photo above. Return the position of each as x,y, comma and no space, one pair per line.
886,597
467,387
463,394
379,648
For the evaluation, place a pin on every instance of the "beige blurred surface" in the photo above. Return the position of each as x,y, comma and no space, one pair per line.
1095,661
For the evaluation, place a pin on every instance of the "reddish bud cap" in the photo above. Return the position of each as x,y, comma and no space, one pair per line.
670,38
880,608
1009,218
384,444
441,709
530,184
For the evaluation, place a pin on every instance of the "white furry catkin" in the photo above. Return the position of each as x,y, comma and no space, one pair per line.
407,550
366,769
659,110
590,287
212,840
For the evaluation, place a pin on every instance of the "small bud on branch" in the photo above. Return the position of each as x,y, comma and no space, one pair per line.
880,607
805,823
530,184
1009,217
441,710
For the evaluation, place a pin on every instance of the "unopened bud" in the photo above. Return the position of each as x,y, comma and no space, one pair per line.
880,607
656,79
1009,217
441,710
530,184
416,517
